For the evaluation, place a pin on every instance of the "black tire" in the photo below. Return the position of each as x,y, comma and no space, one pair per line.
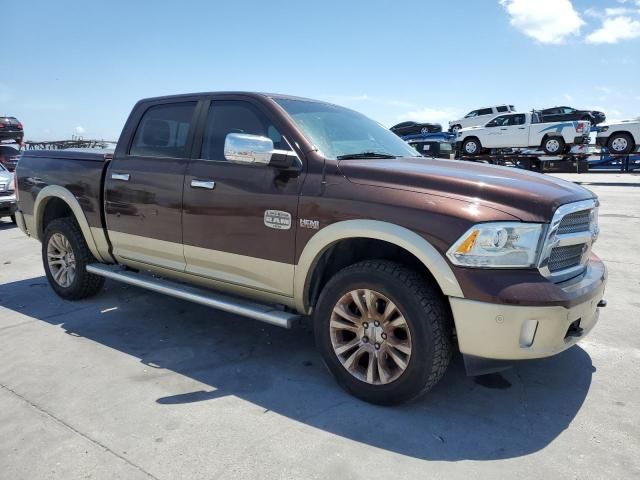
13,219
547,141
84,284
427,317
467,144
620,136
455,128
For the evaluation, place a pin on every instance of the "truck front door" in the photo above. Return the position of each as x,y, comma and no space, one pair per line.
143,186
239,220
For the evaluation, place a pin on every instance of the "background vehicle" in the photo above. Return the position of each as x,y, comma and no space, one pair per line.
307,210
522,130
9,157
563,114
479,117
8,205
11,129
434,145
412,128
620,137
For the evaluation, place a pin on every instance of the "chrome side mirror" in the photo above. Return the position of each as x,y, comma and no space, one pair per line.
245,148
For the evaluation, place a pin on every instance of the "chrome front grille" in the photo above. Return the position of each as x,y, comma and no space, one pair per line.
562,258
575,222
570,235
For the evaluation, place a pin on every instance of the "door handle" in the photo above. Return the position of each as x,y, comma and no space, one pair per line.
503,129
208,184
121,176
521,128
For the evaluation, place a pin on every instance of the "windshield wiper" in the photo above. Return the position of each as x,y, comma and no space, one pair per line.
365,155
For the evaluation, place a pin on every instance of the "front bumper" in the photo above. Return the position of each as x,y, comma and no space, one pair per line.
493,331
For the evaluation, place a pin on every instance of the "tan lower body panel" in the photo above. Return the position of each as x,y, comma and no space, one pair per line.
234,289
147,250
211,265
508,332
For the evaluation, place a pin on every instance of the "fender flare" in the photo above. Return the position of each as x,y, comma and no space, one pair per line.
56,191
389,232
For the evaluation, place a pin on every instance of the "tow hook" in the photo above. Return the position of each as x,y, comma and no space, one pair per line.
602,303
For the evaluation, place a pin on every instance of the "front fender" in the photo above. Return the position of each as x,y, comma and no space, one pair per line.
388,232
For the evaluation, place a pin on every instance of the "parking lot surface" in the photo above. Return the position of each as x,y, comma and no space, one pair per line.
131,384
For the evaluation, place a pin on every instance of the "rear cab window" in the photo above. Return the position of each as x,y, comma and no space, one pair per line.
164,130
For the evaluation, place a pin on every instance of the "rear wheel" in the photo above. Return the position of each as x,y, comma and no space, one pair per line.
621,143
65,255
553,145
383,331
424,130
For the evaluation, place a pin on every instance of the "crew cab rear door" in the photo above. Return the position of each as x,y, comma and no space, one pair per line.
239,220
144,181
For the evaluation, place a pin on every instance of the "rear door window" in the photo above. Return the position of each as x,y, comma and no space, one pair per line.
163,131
502,108
485,111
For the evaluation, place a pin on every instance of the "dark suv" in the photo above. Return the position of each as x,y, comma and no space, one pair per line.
11,129
560,114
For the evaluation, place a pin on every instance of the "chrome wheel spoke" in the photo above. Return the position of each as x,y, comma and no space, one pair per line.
400,362
61,260
345,347
340,324
401,346
372,367
355,295
350,363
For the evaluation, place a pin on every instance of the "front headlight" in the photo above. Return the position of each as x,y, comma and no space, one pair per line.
498,245
603,129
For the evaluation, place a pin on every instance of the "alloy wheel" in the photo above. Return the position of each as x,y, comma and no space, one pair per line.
619,144
61,260
370,337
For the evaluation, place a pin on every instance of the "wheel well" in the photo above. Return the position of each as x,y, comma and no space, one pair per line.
55,208
353,250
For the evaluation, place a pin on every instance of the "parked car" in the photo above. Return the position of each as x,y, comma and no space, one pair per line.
9,157
479,117
11,129
307,211
523,130
434,145
8,205
412,128
565,114
619,137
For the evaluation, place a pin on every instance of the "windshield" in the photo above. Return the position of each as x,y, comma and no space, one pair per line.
339,132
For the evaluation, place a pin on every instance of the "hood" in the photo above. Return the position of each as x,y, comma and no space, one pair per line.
528,196
619,122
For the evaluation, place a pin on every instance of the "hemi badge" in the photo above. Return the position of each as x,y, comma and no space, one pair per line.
277,219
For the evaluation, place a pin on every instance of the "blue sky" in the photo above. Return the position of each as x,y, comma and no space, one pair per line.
78,67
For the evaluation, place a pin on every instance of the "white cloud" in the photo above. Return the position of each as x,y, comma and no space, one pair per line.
548,21
427,114
80,130
614,29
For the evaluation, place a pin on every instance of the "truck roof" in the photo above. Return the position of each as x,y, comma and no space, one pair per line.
232,92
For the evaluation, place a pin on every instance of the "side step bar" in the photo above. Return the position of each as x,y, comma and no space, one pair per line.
257,311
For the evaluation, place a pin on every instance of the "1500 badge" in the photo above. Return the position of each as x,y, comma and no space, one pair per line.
277,219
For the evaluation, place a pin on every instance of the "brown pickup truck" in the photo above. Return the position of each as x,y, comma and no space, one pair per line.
284,209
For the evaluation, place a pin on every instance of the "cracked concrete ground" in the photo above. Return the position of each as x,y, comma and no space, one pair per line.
131,384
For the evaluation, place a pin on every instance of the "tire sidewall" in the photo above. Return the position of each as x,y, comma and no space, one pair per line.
62,227
471,140
560,146
418,370
622,152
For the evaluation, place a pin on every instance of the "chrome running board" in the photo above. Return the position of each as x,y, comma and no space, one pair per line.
246,308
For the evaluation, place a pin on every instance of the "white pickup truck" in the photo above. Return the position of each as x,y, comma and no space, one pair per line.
619,137
523,130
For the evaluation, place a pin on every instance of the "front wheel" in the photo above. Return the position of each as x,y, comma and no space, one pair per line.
383,331
621,143
471,146
65,255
